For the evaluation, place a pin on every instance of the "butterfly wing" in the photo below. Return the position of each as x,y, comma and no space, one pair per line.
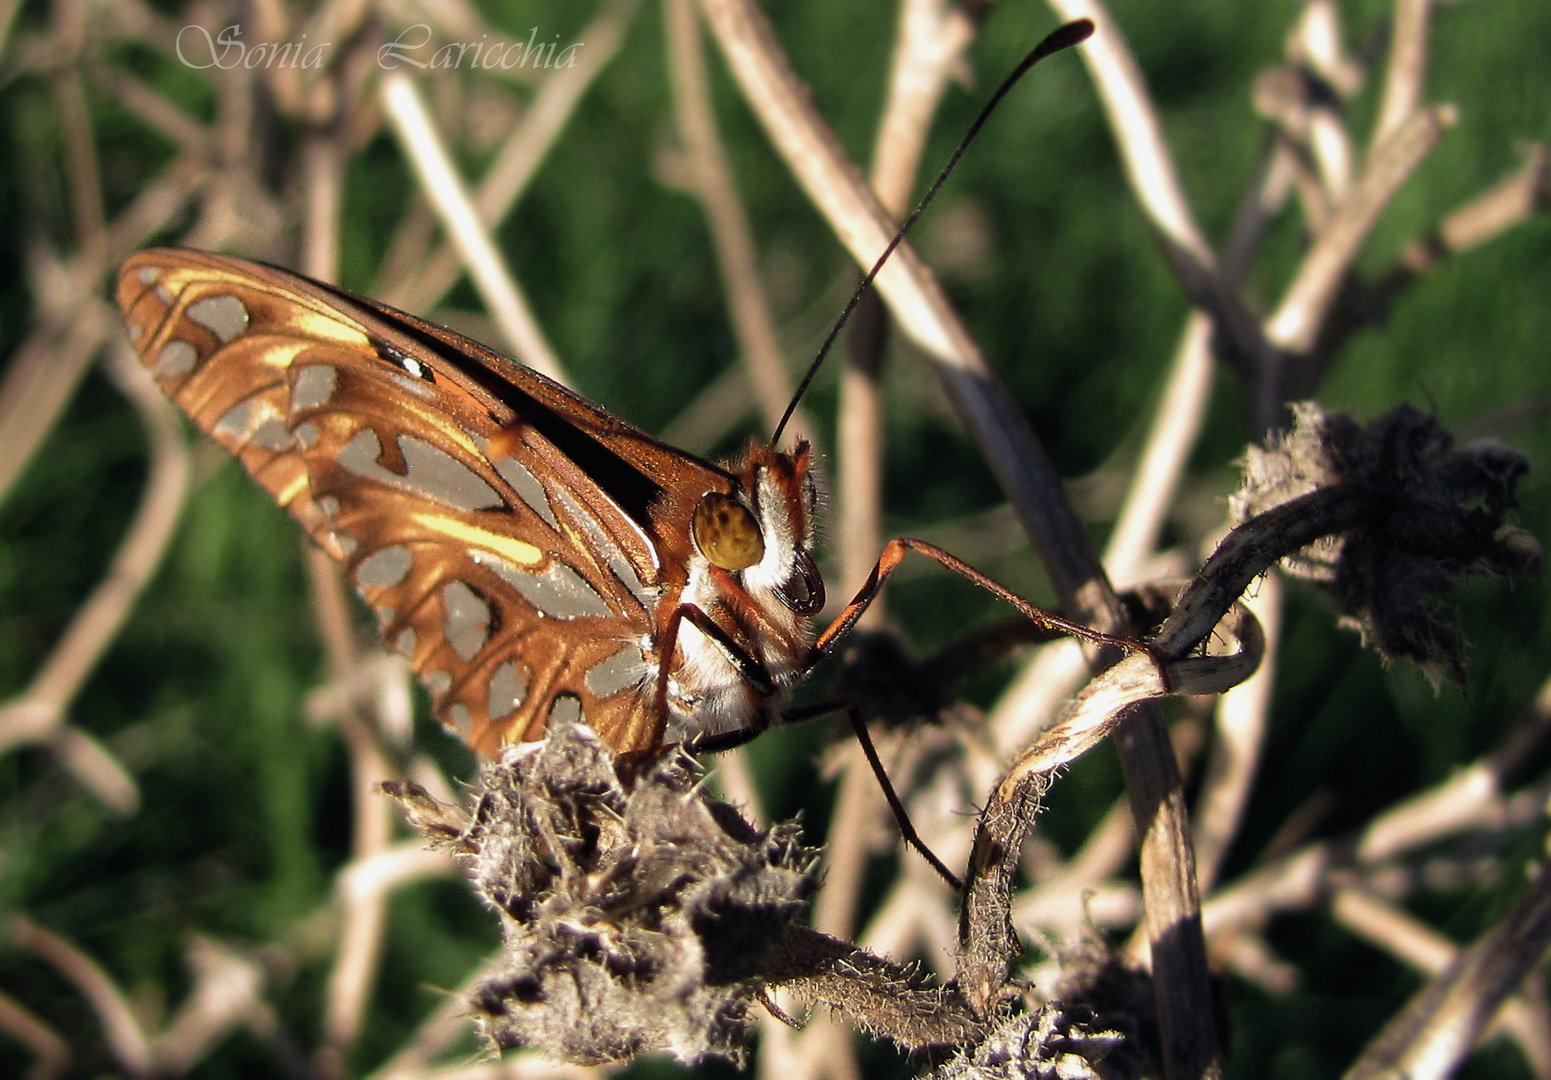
506,530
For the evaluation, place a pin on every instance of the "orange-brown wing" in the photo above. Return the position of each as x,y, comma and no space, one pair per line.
521,583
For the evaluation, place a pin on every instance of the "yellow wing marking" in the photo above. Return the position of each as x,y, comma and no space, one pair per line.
509,548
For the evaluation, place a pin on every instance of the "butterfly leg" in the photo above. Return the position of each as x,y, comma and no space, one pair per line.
760,678
749,666
894,553
907,831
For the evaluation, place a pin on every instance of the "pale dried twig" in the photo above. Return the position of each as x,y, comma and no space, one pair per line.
423,144
1138,131
1438,1028
40,712
228,993
40,380
709,179
929,47
520,155
362,919
1408,939
1407,71
1021,466
1242,716
129,1044
1307,301
52,1053
1474,797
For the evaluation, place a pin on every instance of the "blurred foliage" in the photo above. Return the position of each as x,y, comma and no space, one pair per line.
245,814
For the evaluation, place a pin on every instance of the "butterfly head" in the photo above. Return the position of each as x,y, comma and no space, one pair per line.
764,529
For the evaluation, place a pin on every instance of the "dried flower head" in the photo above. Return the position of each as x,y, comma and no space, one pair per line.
636,911
1409,512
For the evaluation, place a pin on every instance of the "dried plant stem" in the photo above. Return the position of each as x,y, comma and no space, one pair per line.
383,872
362,918
1089,874
1407,74
127,1042
929,49
1315,119
362,914
710,180
83,170
424,146
734,777
859,479
1415,943
1500,208
157,204
154,110
880,996
929,46
228,993
1036,694
52,1052
322,172
1474,797
929,43
1295,323
911,922
1172,909
985,932
1155,480
1432,1035
512,1067
420,288
846,847
1020,464
712,414
1137,128
40,713
1242,715
1489,215
8,10
41,379
446,1024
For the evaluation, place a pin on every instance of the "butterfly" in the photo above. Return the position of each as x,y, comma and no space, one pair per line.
531,554
534,556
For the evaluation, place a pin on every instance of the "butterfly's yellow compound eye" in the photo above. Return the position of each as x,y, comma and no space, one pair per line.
727,533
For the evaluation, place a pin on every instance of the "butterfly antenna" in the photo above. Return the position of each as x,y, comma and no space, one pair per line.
1064,37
